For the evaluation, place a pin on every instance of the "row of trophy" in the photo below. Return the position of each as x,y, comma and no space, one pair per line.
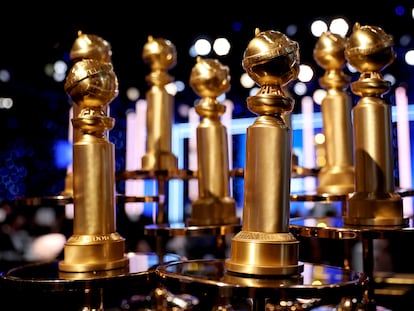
364,160
264,270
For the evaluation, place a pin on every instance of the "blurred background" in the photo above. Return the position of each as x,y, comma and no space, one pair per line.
35,41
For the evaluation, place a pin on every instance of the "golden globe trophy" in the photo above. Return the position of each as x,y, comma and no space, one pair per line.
337,175
265,246
95,247
214,206
375,202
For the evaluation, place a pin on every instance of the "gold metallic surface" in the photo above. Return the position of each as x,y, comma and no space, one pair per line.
68,190
335,228
283,54
91,83
94,246
337,175
264,253
156,174
319,197
214,206
90,46
62,200
265,246
160,55
86,46
375,202
182,229
369,48
297,172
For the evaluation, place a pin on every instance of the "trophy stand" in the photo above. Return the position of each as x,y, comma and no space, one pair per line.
374,210
263,271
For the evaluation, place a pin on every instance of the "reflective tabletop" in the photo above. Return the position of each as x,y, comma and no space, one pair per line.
208,282
42,286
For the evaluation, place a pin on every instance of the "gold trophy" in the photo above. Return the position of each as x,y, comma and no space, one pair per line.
337,175
95,248
265,246
160,55
93,47
375,202
214,206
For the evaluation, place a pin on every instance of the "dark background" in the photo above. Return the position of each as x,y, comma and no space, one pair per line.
33,34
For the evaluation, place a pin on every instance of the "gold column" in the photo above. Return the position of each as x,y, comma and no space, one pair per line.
265,246
95,248
160,55
369,49
337,175
85,46
209,78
